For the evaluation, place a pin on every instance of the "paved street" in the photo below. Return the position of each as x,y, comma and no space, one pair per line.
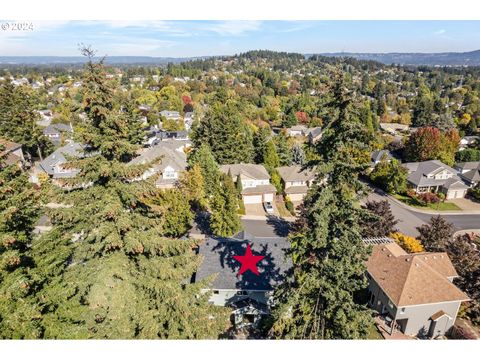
410,219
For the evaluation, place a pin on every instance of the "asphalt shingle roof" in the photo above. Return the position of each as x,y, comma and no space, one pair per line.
218,259
295,173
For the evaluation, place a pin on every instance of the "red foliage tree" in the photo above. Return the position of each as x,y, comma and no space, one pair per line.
424,144
302,117
186,99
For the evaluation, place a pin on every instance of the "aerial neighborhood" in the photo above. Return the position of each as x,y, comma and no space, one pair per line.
235,194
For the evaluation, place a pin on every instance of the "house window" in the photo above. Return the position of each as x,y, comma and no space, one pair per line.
169,175
241,292
402,310
216,292
390,304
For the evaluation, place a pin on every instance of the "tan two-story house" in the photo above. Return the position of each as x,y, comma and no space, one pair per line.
256,187
414,293
296,181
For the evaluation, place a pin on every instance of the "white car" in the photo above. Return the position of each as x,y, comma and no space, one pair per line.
268,207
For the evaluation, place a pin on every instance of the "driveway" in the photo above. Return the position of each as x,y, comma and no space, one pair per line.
270,227
466,204
254,209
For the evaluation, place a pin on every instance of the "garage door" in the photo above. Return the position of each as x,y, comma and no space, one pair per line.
268,197
252,199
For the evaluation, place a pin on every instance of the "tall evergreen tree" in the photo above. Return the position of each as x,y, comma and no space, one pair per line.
271,159
224,219
260,140
203,157
283,149
19,210
317,300
113,273
228,136
298,155
18,120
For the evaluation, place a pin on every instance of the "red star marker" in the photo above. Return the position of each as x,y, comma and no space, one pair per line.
248,261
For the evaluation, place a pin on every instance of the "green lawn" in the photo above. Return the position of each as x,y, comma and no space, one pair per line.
441,206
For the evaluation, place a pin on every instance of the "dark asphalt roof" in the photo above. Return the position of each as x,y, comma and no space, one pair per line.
218,259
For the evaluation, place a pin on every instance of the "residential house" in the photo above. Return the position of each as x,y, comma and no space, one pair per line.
468,141
469,172
168,160
54,164
435,176
378,155
55,132
413,293
188,119
314,134
46,117
256,187
393,128
297,130
296,181
171,115
248,294
11,153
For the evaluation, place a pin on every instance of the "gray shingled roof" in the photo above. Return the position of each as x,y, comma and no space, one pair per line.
253,171
166,156
295,173
378,155
472,176
469,165
218,259
72,149
419,171
314,132
57,129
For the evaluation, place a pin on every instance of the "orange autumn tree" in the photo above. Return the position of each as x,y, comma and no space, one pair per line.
408,243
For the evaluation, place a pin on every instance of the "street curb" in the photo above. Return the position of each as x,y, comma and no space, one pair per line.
431,212
263,217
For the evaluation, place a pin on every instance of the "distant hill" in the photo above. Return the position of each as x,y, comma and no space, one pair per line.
120,60
471,58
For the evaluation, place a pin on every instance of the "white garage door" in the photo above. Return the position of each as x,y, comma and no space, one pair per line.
252,199
268,198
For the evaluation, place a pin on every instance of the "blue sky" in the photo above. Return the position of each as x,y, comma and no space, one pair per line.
199,38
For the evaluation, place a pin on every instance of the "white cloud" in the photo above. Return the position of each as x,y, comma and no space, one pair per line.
440,32
234,28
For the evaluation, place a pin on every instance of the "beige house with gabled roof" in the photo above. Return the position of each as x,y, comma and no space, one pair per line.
256,187
296,181
413,292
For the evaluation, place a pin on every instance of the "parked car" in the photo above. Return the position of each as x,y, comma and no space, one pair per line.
268,207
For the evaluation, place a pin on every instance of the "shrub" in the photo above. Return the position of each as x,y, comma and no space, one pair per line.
290,207
408,243
241,207
428,198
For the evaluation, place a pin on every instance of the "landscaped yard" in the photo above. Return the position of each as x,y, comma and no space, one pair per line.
441,206
282,210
